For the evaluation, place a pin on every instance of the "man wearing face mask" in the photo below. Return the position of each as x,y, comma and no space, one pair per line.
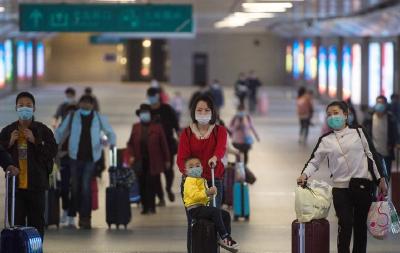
217,94
382,128
148,146
63,108
32,146
166,116
83,127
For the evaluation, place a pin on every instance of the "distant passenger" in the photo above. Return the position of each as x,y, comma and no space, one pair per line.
89,92
242,131
217,93
241,88
382,127
32,146
253,84
166,116
149,149
178,103
304,112
395,108
352,119
348,151
84,149
62,110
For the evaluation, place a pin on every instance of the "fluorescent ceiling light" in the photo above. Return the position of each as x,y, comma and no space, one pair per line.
266,7
253,15
2,9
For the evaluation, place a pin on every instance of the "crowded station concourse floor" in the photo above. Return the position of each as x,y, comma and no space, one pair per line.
276,161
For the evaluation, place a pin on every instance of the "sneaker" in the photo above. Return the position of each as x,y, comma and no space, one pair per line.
71,222
229,244
161,203
64,217
171,196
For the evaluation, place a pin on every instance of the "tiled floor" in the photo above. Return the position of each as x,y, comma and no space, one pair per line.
276,161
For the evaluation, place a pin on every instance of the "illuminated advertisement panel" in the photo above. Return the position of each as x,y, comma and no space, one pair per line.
2,66
9,60
301,58
387,69
289,59
322,71
332,72
29,60
40,61
374,72
310,68
346,72
356,74
296,53
21,61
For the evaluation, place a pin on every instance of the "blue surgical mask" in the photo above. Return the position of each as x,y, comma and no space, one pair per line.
145,117
85,112
336,122
241,114
25,113
380,107
350,119
195,172
153,99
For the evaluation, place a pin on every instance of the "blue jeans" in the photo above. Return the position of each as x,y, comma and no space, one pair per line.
81,193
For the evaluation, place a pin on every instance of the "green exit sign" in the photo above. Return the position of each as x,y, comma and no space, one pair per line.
162,18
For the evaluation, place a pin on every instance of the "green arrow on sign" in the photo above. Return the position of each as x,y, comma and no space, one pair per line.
36,16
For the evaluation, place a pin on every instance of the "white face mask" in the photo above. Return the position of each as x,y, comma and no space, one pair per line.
203,119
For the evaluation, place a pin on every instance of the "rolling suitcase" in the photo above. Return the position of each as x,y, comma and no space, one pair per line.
229,180
395,184
310,237
241,201
118,209
17,239
204,236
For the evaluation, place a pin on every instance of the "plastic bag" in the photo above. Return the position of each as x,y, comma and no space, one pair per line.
240,173
379,220
313,201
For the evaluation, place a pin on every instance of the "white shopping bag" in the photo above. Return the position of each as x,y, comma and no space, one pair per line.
313,201
379,219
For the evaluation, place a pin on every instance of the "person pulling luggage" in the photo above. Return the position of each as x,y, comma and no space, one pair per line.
84,127
32,146
354,167
196,196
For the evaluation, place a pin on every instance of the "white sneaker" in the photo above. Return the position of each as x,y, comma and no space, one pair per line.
64,217
71,222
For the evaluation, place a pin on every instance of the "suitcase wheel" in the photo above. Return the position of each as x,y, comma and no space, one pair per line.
117,226
109,225
235,218
126,226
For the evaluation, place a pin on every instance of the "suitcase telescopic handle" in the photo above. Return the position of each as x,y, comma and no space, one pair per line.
213,183
113,157
7,202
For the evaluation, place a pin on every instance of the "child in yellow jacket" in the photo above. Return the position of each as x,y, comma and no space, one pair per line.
196,196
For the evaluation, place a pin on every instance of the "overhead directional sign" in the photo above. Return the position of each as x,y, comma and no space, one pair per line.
163,18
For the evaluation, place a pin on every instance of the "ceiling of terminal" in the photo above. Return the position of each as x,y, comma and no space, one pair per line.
285,17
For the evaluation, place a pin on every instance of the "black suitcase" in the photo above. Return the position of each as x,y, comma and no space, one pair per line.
18,239
204,237
52,208
118,208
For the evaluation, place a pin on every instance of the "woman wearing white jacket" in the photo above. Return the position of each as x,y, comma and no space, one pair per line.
355,167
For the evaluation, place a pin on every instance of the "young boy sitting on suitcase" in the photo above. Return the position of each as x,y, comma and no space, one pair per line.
197,195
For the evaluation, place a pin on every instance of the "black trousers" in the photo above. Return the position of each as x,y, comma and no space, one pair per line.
304,128
219,217
244,149
65,182
147,185
169,180
352,206
29,209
